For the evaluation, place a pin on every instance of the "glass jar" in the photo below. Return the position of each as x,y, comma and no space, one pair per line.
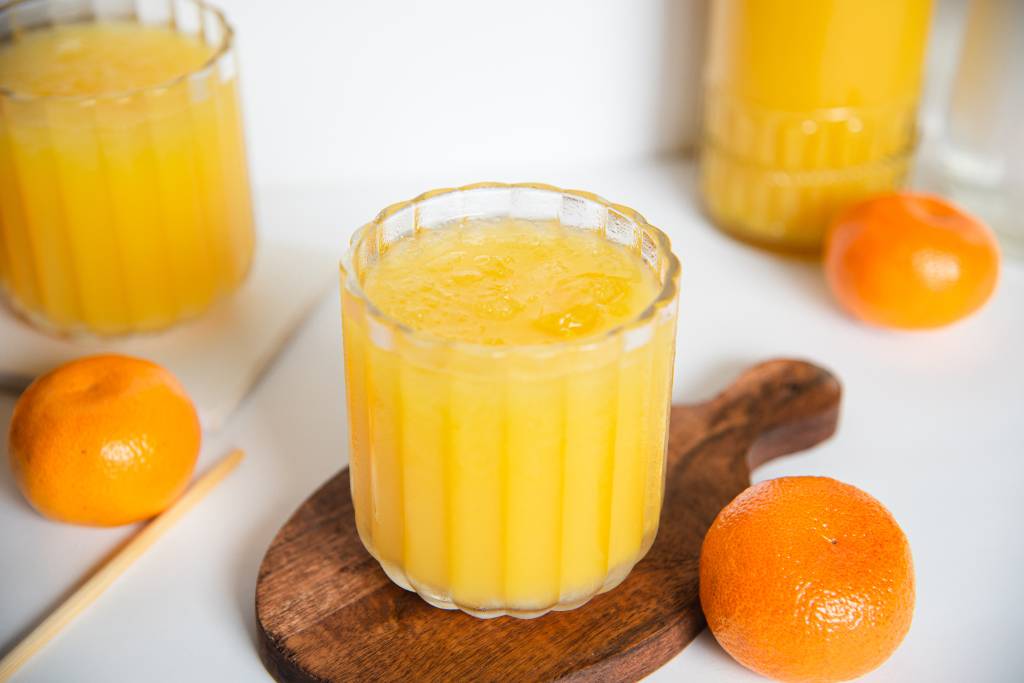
982,153
129,210
810,106
508,479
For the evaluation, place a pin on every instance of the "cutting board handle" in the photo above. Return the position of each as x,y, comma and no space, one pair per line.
779,407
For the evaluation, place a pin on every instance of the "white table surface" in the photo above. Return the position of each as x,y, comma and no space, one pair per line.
218,357
932,425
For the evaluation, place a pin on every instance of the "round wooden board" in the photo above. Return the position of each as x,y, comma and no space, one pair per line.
326,612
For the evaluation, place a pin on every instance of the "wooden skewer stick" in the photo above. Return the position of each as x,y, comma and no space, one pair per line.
101,580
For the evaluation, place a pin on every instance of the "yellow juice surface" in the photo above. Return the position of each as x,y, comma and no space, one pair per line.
93,59
524,472
508,282
810,106
124,196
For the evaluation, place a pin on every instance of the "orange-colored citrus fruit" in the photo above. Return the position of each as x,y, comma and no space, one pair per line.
103,440
910,261
807,579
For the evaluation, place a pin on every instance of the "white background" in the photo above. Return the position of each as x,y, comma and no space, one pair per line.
340,90
354,105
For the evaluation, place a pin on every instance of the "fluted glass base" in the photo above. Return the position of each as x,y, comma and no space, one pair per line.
440,598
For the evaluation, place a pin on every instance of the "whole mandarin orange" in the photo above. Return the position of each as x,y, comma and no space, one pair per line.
910,261
807,579
103,440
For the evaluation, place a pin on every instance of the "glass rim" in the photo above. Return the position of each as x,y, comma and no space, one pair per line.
226,43
665,297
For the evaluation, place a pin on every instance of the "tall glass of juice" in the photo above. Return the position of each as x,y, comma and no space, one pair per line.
508,363
810,106
124,195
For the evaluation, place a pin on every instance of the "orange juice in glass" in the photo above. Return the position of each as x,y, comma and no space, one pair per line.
810,106
508,363
124,195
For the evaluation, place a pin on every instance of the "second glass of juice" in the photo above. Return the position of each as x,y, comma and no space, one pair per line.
809,108
508,362
124,194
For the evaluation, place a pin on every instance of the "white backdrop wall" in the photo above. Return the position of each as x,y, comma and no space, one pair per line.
342,89
336,89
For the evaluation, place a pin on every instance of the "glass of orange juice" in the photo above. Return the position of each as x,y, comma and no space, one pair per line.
508,363
124,194
810,106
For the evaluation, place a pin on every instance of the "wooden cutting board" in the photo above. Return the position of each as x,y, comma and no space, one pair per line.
326,612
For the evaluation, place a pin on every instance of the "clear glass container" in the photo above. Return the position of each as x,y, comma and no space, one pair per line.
122,211
508,479
982,153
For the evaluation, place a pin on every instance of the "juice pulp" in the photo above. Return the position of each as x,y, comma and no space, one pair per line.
510,282
810,106
520,468
124,197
